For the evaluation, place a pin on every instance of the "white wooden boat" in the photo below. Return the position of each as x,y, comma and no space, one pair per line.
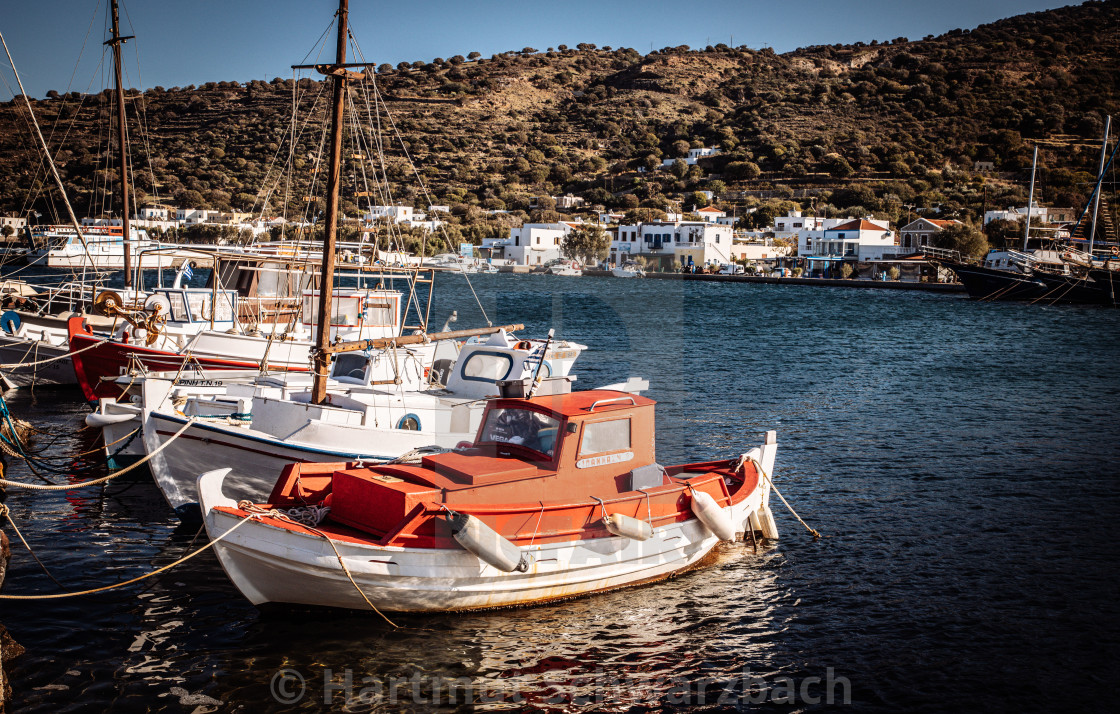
558,497
257,428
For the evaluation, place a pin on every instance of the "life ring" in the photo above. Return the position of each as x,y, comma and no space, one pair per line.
523,345
10,322
1116,251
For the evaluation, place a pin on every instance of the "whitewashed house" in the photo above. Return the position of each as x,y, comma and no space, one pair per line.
194,216
532,244
693,155
859,239
763,249
396,214
673,244
156,213
711,214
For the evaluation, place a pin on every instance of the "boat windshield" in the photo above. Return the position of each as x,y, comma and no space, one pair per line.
523,427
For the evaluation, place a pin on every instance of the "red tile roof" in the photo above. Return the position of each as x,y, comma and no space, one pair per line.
857,224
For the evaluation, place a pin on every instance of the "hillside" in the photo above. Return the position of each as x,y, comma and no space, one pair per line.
881,128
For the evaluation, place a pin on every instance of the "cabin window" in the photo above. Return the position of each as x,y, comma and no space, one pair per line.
602,436
351,366
200,306
523,427
225,308
178,307
487,366
380,313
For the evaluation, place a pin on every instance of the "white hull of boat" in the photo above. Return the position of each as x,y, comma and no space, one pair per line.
24,352
256,458
271,564
626,273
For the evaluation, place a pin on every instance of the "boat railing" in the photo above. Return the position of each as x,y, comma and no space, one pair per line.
941,253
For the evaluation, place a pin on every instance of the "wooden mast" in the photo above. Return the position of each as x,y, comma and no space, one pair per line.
322,358
116,41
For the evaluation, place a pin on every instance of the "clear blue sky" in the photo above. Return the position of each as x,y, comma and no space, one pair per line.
181,43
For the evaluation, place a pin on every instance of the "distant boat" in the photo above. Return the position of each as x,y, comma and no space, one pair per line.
60,247
564,267
628,270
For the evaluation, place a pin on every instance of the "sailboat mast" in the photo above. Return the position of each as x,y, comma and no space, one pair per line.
116,41
326,277
1100,180
1030,201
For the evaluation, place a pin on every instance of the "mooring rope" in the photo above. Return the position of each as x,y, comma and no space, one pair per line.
104,588
6,512
13,365
256,512
766,476
103,479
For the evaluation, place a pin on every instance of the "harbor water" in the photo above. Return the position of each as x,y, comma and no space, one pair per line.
959,458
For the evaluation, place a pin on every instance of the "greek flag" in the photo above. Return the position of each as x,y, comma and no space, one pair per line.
187,272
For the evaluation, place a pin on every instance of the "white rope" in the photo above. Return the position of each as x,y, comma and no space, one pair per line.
103,479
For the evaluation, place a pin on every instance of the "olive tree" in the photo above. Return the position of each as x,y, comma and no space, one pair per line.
587,244
962,238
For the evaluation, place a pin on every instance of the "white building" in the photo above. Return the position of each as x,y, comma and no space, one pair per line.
1039,214
439,209
859,239
791,226
397,214
193,216
17,224
531,244
693,155
756,250
711,214
674,244
156,213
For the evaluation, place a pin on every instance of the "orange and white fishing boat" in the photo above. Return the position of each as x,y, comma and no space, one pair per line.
558,496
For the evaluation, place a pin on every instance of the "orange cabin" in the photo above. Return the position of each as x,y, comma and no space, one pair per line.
534,473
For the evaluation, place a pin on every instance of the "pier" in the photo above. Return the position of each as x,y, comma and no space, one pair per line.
820,282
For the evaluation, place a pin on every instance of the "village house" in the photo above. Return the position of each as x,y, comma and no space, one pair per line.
710,214
532,244
857,239
673,244
918,234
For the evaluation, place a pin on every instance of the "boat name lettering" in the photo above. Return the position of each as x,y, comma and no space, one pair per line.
199,382
604,460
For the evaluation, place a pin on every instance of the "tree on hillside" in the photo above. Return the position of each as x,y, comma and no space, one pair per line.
588,244
963,238
1003,233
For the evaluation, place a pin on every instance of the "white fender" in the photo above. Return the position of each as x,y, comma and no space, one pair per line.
712,516
628,527
486,543
100,420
